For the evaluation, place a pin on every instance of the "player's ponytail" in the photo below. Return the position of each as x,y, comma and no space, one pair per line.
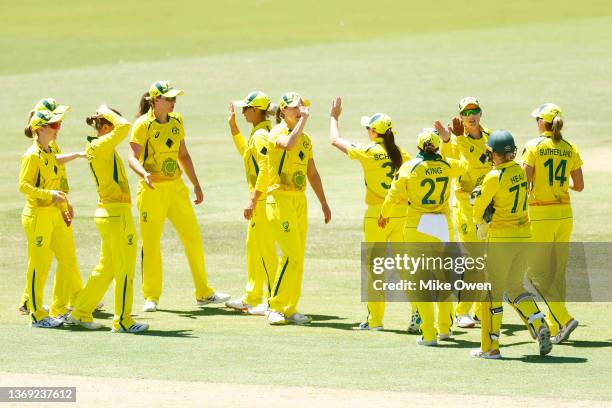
28,130
555,127
144,105
279,115
392,150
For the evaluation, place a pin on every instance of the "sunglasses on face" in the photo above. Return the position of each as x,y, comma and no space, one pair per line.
55,125
469,112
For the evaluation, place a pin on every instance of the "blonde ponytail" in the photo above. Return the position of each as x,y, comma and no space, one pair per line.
557,125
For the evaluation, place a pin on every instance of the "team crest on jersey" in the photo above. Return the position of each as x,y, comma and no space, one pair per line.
156,134
64,184
130,239
39,241
169,167
464,228
285,226
471,149
175,130
299,179
145,216
306,144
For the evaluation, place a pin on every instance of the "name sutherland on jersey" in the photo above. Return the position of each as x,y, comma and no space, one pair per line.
547,151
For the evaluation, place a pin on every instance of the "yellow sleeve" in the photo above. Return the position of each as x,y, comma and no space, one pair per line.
29,179
405,156
182,125
458,167
110,141
261,145
239,143
529,155
490,185
450,150
357,151
140,133
397,193
307,144
577,160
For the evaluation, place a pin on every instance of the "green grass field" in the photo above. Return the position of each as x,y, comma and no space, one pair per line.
412,62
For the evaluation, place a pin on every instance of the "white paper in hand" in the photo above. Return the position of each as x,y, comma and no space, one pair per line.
434,225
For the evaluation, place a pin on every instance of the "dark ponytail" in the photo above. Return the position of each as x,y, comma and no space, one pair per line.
279,115
28,130
392,150
144,105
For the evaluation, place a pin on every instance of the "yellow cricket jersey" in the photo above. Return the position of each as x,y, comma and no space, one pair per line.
424,183
61,168
106,165
473,151
39,176
552,163
254,152
160,143
506,187
287,169
378,169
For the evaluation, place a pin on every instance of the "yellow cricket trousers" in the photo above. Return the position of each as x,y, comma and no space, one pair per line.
554,224
47,234
287,213
116,262
260,256
466,233
65,290
426,309
507,260
169,199
393,232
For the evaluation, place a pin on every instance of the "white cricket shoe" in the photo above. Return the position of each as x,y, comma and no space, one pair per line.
47,322
489,355
445,336
88,325
415,323
366,326
217,297
259,310
421,342
465,321
238,304
276,318
299,319
544,343
565,332
135,328
149,306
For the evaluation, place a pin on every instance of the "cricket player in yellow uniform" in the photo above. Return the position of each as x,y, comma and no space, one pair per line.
45,218
501,216
380,160
260,251
548,160
466,138
158,153
290,164
114,221
424,185
66,290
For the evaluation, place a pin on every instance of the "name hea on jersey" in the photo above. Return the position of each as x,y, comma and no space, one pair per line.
517,178
433,170
547,151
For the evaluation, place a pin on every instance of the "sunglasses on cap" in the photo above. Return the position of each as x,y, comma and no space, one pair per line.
469,112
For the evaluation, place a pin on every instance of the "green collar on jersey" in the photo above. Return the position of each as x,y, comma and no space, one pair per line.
424,156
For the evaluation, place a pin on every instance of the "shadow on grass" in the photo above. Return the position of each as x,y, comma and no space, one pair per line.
331,322
510,329
547,359
585,343
101,314
169,333
204,311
